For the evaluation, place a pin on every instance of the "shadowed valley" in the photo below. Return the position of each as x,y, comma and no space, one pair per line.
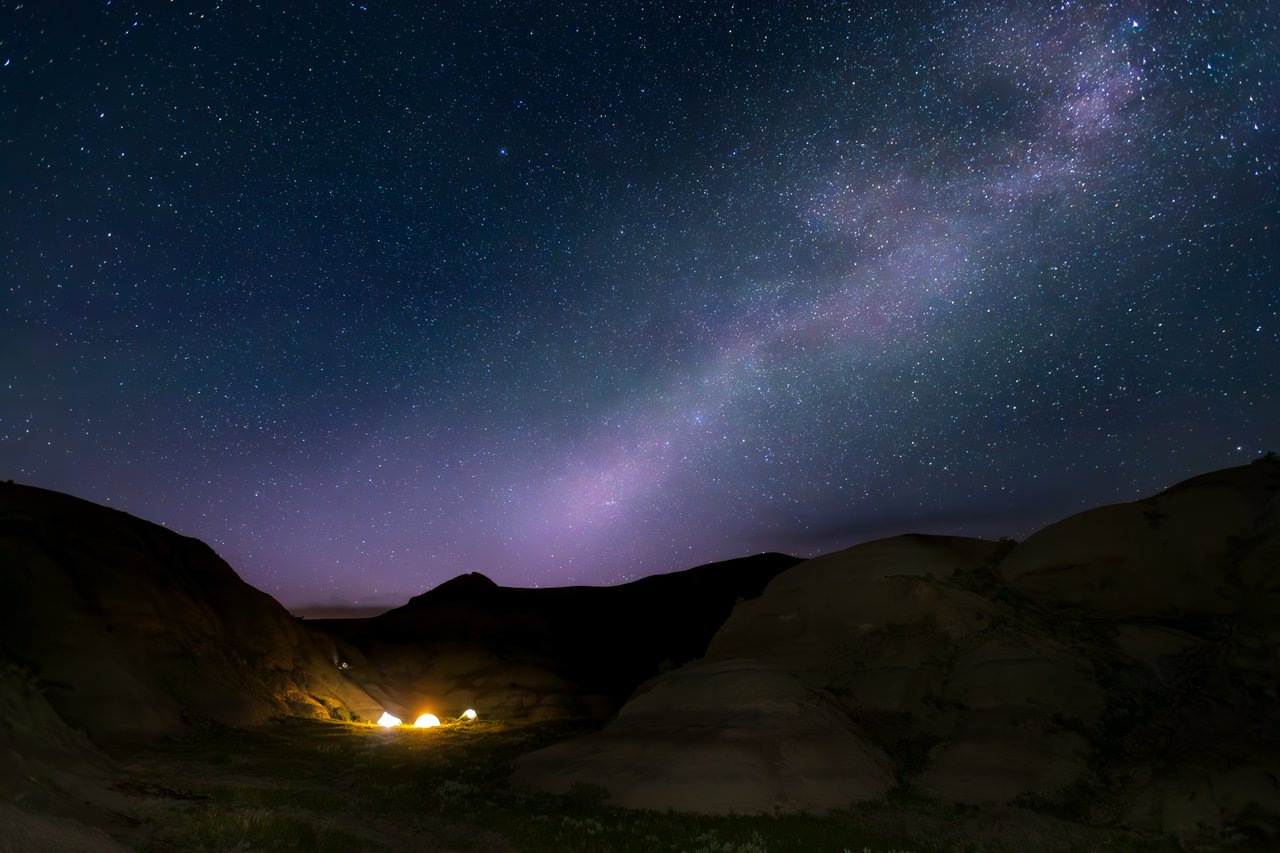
1108,683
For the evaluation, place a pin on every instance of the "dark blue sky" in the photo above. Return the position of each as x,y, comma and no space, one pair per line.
367,295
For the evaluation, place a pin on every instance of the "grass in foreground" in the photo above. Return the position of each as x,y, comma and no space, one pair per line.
307,785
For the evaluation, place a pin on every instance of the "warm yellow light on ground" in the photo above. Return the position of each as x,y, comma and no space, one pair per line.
469,714
426,721
388,721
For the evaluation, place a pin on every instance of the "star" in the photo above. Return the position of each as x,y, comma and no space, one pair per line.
755,278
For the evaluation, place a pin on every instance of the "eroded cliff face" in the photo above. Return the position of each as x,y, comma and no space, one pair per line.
1121,664
130,631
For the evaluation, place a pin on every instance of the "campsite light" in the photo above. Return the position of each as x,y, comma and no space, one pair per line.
469,714
426,721
387,721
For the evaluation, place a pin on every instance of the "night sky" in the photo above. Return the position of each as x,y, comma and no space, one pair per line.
367,295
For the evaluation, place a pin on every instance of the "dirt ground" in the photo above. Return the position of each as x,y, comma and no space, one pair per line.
307,785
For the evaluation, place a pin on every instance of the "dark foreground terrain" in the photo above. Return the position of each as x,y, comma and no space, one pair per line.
324,786
1110,683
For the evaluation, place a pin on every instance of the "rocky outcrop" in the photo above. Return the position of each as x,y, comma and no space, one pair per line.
1120,666
131,630
56,787
1185,587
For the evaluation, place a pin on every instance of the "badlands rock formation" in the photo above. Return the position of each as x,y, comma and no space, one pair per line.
530,654
1121,666
130,630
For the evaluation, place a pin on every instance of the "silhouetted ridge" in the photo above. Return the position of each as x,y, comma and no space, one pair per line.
469,585
1261,475
559,651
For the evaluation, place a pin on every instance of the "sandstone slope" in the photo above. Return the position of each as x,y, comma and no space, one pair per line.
1120,666
131,631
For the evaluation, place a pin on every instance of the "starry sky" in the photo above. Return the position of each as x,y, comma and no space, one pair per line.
370,294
